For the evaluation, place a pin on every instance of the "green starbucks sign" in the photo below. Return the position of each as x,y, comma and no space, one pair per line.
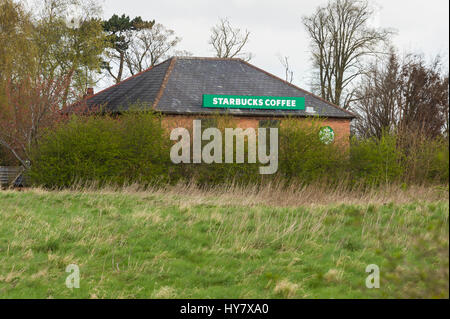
326,135
253,102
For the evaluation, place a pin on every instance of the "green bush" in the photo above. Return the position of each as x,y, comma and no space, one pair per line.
376,161
135,147
439,168
131,148
304,157
221,173
425,159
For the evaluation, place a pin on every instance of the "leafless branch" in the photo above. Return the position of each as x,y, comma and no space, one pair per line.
228,42
340,41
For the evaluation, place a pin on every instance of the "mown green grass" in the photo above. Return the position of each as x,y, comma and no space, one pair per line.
146,245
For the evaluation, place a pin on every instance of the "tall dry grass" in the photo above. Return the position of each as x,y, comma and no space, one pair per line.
298,239
274,193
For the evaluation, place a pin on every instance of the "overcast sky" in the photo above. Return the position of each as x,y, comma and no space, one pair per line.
276,29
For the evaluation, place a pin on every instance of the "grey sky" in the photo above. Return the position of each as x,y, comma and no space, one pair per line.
275,26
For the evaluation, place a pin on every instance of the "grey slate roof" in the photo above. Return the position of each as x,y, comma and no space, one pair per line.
141,88
177,85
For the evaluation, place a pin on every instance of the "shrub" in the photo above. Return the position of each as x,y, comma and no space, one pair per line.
135,147
132,148
375,161
221,173
304,157
439,166
426,159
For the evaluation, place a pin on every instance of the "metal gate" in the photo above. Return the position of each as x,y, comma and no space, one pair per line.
10,175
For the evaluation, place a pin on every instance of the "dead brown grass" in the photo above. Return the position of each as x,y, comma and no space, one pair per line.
275,194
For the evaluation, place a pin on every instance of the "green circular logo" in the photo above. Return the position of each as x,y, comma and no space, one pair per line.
326,135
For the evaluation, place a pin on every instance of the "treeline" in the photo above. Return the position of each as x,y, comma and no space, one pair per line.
404,95
135,148
53,57
49,57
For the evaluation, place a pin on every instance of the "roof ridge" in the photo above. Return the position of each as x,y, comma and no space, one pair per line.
129,78
164,82
296,87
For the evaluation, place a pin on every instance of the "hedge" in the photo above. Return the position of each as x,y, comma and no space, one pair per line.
135,147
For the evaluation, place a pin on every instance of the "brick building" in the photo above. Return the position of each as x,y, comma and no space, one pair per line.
177,88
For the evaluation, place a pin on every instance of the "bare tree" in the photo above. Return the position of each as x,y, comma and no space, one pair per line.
423,102
39,69
31,106
445,114
406,96
288,73
340,40
228,42
376,98
149,47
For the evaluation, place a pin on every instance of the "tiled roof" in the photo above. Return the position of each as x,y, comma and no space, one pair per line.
177,86
141,88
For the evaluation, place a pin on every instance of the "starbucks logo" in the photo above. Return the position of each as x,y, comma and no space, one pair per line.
326,135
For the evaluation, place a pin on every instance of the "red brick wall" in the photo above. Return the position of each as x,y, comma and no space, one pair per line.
341,127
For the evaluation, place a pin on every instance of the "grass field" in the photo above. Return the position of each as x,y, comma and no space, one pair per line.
224,243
